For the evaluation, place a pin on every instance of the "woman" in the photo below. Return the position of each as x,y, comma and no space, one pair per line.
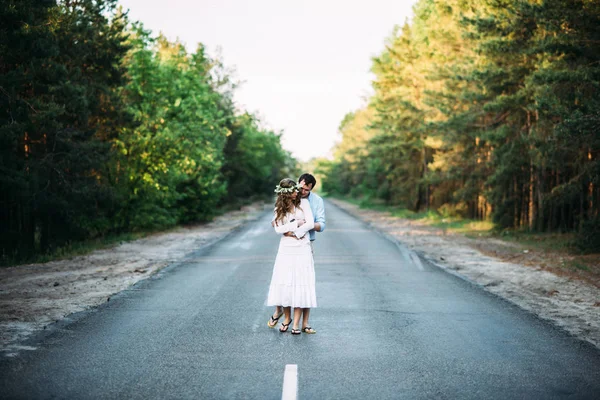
293,279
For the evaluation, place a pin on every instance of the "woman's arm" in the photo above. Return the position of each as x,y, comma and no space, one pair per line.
283,228
308,217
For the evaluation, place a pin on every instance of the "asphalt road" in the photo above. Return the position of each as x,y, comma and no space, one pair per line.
389,326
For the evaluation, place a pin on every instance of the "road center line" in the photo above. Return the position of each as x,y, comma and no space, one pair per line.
290,382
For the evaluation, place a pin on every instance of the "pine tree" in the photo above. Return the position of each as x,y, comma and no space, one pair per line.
59,71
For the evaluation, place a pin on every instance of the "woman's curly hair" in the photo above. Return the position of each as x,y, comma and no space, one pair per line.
285,203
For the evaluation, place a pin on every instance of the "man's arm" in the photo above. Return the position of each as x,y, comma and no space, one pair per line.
320,216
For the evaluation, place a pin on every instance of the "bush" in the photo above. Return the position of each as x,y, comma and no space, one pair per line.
453,210
588,239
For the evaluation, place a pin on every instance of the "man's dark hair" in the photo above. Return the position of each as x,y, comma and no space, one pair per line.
308,179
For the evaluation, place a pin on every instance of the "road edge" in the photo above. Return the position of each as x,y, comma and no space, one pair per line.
32,341
551,323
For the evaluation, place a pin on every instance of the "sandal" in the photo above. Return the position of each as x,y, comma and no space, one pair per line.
273,321
284,327
296,331
309,330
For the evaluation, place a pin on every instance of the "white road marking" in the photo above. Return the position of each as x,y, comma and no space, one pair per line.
417,260
259,230
407,254
233,245
403,251
290,382
246,245
245,241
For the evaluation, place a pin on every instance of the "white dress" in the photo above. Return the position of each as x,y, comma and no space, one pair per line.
293,280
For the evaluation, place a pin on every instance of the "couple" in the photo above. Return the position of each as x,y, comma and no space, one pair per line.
298,215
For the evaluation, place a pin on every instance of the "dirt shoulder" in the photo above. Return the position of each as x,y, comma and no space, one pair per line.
36,295
529,278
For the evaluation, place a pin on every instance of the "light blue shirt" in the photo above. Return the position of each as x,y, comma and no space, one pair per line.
317,207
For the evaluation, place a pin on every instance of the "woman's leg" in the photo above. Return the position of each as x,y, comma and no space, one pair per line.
287,311
305,315
275,317
287,320
306,328
297,316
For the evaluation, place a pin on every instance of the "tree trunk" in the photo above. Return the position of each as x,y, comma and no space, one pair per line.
541,211
531,198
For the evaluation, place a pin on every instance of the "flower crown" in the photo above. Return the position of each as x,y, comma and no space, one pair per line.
295,188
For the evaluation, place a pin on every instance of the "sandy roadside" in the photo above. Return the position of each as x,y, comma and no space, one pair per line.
569,303
36,295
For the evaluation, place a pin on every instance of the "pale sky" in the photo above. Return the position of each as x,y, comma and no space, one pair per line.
303,64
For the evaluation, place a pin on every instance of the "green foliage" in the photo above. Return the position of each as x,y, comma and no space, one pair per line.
105,129
60,69
254,159
170,159
488,110
187,150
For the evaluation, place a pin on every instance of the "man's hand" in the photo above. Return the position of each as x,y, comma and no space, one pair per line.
291,234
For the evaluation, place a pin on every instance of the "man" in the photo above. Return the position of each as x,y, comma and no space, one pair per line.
317,206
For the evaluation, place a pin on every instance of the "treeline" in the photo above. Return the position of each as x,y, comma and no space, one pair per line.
484,109
107,129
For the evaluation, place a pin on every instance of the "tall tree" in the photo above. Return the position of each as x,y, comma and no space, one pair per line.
172,156
254,160
489,108
60,68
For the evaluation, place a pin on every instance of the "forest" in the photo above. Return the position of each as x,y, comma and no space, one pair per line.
483,109
480,109
106,128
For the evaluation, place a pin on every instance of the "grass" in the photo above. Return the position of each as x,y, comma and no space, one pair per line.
433,218
561,242
564,242
575,264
